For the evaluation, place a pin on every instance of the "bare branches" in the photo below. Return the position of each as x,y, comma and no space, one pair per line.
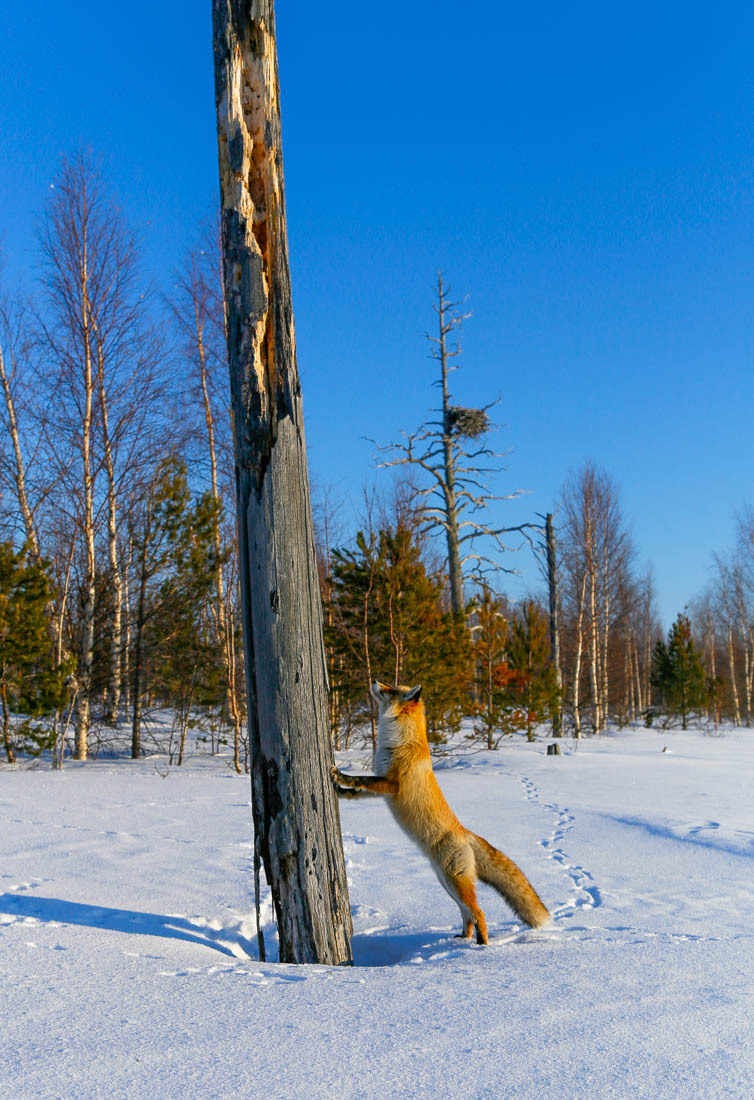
447,451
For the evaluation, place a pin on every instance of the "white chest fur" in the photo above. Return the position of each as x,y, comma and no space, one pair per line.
388,738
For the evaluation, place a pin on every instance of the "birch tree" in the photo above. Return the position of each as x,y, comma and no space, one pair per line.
100,359
725,606
598,555
16,380
198,309
297,827
73,280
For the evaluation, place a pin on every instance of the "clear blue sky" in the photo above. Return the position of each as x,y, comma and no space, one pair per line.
584,172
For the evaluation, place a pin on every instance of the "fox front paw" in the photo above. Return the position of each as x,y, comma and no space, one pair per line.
339,779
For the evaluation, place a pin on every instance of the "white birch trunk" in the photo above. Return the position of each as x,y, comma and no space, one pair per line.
86,655
112,700
577,663
19,473
732,673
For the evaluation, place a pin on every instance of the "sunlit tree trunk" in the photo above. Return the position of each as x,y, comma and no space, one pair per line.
126,647
455,575
594,678
732,674
554,605
605,639
83,711
19,472
636,673
295,809
576,694
112,699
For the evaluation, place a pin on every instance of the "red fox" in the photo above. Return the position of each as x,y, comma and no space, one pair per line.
459,857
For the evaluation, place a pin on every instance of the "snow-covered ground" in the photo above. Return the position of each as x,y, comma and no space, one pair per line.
127,941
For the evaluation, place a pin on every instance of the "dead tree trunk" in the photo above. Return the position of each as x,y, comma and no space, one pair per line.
552,587
296,819
455,574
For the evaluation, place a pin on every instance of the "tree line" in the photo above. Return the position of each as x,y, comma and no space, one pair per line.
116,474
119,559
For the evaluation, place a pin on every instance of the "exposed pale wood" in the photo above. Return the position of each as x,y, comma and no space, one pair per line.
296,818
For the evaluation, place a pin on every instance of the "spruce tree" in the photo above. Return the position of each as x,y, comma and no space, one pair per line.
535,688
389,619
678,675
490,634
30,682
354,638
175,568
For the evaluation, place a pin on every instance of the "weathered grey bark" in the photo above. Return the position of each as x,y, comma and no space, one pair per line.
554,600
295,808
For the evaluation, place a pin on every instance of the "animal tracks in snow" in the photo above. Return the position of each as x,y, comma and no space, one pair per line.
587,893
114,834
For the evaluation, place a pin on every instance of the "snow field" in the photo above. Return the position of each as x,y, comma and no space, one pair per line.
128,945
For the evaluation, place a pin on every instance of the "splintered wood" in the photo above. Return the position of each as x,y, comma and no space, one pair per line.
296,819
251,186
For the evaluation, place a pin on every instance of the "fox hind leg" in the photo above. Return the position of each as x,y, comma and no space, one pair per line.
465,893
468,925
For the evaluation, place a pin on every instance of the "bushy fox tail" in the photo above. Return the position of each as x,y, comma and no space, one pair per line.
509,880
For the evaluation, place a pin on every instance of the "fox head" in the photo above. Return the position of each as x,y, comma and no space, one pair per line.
391,700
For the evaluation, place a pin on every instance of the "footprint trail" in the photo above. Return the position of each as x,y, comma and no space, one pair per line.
586,892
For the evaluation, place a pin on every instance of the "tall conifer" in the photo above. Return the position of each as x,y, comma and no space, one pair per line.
678,675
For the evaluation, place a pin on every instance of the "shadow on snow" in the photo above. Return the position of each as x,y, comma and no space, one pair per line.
693,836
226,941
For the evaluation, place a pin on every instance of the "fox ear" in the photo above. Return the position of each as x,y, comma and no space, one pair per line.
377,689
411,694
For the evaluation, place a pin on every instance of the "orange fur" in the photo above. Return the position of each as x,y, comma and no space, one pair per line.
459,857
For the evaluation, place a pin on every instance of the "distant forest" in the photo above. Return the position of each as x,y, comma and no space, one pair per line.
118,551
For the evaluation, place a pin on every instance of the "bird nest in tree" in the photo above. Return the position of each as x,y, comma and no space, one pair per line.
467,422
